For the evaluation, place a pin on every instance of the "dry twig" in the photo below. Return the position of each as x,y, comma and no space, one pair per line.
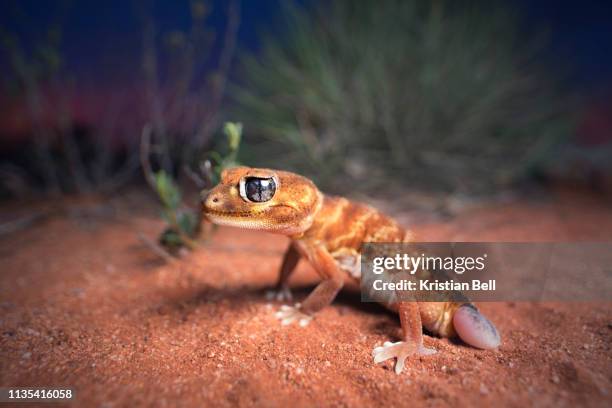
155,248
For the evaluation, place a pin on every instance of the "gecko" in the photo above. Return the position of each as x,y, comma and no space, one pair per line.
328,231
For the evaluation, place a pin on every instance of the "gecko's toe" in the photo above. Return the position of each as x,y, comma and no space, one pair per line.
400,351
280,295
290,314
475,329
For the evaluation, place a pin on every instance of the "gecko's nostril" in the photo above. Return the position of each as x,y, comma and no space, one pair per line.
215,200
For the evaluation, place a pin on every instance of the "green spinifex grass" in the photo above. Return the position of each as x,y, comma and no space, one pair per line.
453,95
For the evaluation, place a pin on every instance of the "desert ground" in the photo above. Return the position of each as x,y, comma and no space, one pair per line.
85,304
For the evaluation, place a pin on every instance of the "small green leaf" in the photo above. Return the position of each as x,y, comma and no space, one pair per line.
166,216
187,223
233,131
167,190
170,239
216,157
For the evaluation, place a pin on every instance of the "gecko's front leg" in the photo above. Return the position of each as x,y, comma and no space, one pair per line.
290,260
412,345
322,295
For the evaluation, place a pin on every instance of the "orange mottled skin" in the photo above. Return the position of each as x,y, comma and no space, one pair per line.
327,231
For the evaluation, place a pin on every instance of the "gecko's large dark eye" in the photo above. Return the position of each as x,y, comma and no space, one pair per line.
258,189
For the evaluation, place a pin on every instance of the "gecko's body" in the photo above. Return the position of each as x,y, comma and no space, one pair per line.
329,232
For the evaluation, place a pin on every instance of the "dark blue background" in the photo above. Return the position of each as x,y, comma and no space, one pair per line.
102,39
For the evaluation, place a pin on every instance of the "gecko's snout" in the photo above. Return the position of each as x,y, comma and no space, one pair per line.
475,329
211,201
203,195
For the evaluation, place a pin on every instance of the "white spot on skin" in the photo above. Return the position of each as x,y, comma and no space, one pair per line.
350,263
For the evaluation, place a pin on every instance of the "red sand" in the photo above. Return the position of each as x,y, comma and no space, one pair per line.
84,304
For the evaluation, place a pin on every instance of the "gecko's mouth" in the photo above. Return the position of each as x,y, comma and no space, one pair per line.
232,214
241,219
242,214
261,220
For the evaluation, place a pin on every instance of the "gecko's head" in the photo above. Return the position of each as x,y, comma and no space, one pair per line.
263,199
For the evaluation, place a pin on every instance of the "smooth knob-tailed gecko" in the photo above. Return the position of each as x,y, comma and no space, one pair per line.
328,232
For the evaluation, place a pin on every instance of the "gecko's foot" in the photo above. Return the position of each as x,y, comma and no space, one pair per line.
280,294
400,351
290,314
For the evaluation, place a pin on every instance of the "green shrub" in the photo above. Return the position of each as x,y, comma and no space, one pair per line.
184,228
429,91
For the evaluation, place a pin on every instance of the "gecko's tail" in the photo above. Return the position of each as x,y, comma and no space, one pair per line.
475,329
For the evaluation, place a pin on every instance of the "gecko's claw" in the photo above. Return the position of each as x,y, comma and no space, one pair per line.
400,351
290,314
475,329
280,294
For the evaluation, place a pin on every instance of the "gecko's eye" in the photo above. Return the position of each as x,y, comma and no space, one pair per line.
257,189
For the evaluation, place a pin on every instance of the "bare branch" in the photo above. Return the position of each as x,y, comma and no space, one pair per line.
155,248
207,171
67,136
195,177
225,60
23,222
151,71
121,176
145,155
15,179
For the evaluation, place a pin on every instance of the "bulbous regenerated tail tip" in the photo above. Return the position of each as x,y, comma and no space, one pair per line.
475,329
